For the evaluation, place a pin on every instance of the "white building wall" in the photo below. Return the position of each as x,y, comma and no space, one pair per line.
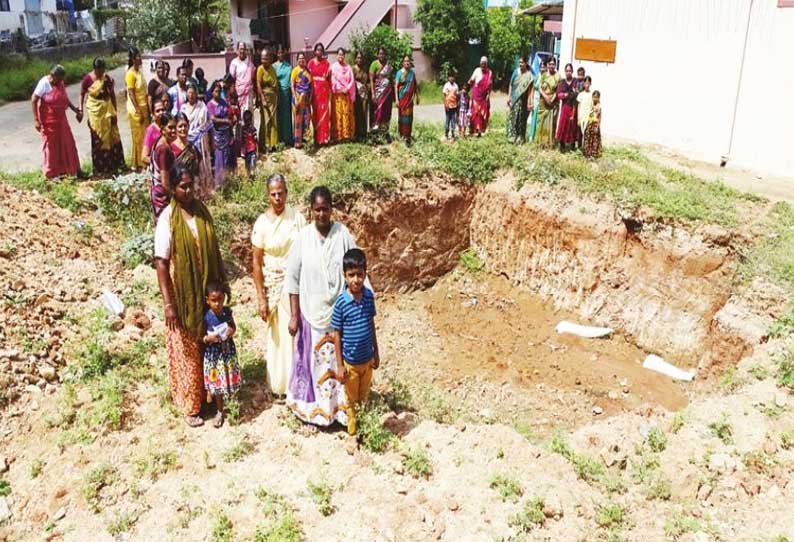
676,73
10,20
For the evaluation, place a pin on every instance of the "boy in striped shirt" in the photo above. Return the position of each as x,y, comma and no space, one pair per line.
353,320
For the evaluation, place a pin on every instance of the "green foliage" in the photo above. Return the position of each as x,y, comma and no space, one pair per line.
282,525
530,516
759,372
244,446
355,167
398,397
368,42
19,74
370,432
63,192
152,24
222,529
773,256
35,468
447,28
679,420
321,494
730,379
507,487
787,440
587,468
785,370
679,525
510,36
656,440
5,488
435,405
430,92
155,463
611,516
660,489
471,260
722,429
783,326
97,478
138,250
416,462
125,201
122,522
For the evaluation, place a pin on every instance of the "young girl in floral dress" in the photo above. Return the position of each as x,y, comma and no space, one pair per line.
222,376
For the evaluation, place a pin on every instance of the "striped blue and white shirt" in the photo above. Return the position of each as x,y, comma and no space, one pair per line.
353,319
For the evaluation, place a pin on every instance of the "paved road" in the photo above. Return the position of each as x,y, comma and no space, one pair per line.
21,143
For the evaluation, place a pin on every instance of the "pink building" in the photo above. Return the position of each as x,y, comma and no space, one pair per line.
300,24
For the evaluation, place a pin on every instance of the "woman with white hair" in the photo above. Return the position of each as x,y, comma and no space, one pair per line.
480,82
50,102
242,70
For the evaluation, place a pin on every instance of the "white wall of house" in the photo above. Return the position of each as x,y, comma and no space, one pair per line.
678,70
17,16
309,19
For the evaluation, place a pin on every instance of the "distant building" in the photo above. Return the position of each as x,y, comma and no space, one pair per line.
709,79
299,24
35,17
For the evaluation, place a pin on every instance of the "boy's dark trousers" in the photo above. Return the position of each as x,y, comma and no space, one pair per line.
451,122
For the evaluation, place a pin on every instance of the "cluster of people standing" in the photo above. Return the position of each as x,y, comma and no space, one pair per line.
313,296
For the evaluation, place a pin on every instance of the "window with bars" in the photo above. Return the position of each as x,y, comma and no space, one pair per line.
4,5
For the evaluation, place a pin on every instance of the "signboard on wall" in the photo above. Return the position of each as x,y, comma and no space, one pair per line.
596,50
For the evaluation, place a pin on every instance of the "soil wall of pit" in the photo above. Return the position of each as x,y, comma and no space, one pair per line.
662,286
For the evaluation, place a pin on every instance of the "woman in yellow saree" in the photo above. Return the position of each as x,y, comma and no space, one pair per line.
267,88
137,106
98,100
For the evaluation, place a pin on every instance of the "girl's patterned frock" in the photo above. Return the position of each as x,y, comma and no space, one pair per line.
222,374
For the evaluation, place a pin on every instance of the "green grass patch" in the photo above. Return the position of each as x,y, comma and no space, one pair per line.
773,255
785,370
370,432
530,517
611,516
222,528
98,478
471,261
416,462
5,488
244,446
321,493
62,192
656,440
281,524
508,488
19,75
722,429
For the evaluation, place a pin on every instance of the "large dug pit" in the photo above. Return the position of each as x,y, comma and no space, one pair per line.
546,258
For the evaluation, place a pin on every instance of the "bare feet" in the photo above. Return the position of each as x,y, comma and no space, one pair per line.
194,421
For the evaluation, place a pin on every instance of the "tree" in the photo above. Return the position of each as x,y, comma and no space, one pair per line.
448,26
152,24
511,36
368,42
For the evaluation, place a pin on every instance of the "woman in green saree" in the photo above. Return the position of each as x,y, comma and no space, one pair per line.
520,102
547,111
283,72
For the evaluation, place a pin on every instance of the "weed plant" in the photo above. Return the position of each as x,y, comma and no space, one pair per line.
321,493
416,462
508,488
530,517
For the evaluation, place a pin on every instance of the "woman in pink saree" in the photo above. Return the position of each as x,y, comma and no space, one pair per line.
480,82
50,102
242,69
320,70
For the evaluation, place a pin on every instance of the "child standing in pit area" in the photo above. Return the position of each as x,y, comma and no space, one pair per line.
249,143
450,92
222,376
353,320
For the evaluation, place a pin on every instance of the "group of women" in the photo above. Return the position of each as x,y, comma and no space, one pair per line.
298,277
326,103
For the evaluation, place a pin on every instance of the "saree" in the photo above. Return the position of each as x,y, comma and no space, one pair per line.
267,81
591,145
384,95
343,87
284,121
547,113
521,83
321,99
107,154
274,235
480,100
534,124
222,140
195,261
300,81
162,160
566,94
60,151
199,133
361,106
314,272
138,123
243,73
406,91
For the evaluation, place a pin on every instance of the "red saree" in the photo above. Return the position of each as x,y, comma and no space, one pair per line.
321,99
60,151
480,101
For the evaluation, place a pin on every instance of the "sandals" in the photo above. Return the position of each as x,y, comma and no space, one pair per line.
194,421
217,421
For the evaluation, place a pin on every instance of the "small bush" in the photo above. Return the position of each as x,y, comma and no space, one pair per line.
660,489
417,463
125,201
155,463
656,440
282,524
530,517
783,326
138,250
679,420
35,468
370,431
5,488
787,440
785,370
321,494
97,478
730,379
222,529
723,430
121,523
398,397
243,447
611,516
471,261
507,487
679,525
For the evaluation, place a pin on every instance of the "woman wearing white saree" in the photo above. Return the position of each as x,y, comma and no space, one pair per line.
272,237
314,281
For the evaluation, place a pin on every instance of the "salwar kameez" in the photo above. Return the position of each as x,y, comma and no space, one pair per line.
274,235
343,86
284,121
138,122
268,85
